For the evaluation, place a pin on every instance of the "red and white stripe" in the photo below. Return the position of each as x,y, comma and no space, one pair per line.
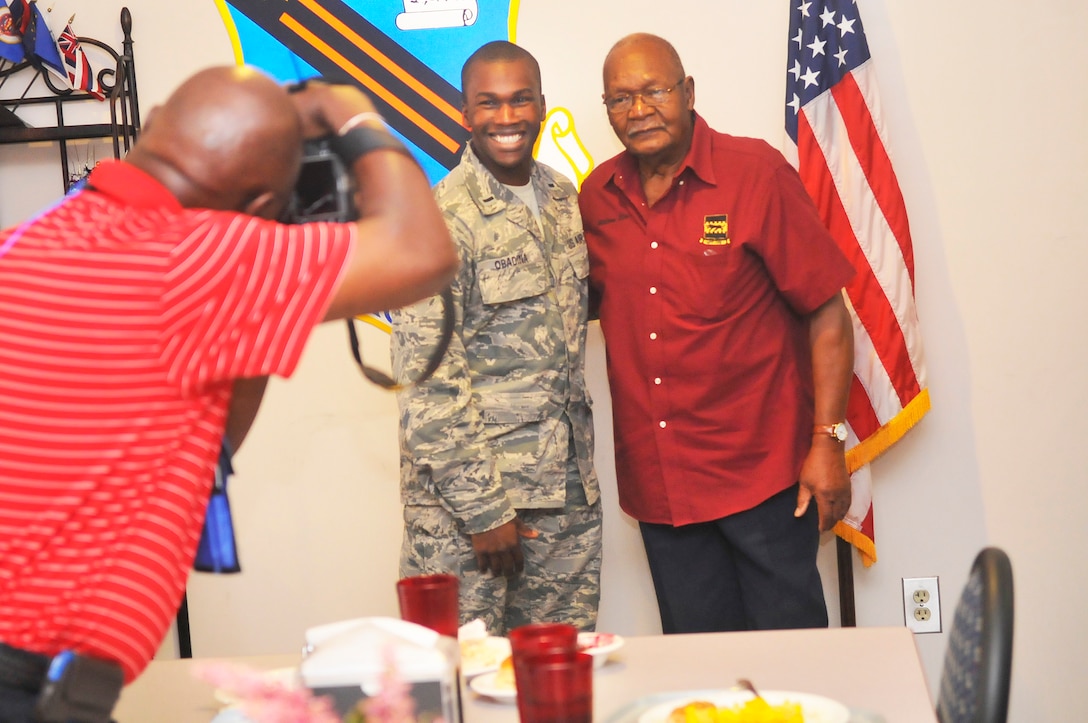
842,157
80,73
120,333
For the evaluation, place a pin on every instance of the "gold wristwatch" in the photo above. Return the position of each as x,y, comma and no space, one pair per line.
835,431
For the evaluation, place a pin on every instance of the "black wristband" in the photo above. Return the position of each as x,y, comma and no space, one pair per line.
361,140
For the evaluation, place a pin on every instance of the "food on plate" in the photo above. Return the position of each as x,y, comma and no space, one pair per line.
504,678
479,654
756,710
698,711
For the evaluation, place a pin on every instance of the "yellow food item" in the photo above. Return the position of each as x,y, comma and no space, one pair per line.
504,678
698,712
756,710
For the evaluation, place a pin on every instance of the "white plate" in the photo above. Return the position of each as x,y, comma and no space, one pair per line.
599,645
485,685
815,708
483,656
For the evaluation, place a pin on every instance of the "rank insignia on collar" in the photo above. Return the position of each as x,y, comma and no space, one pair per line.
715,230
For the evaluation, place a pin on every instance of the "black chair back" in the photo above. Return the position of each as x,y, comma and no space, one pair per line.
978,661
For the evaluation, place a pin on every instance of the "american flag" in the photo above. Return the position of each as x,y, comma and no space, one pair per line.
839,148
80,73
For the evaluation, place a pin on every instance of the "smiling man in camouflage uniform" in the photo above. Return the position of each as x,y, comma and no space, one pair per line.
497,473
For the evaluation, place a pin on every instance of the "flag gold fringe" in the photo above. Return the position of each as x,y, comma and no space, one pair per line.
866,548
869,449
882,439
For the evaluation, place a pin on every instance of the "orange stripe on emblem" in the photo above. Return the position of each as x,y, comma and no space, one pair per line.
373,85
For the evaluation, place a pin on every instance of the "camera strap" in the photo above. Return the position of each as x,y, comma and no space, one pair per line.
382,379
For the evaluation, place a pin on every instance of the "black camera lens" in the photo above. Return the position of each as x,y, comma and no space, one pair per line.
324,189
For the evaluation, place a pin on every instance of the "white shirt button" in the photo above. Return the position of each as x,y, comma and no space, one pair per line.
653,289
653,244
661,424
657,380
653,335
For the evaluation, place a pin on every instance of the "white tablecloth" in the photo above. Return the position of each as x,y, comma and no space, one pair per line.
873,671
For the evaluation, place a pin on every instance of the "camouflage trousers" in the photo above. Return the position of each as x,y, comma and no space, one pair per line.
562,575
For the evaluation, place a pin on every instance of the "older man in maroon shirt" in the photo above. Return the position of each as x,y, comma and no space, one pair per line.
729,353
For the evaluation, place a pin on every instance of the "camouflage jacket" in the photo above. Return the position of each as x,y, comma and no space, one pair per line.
488,432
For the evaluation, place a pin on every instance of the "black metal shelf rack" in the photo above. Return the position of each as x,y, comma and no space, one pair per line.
118,82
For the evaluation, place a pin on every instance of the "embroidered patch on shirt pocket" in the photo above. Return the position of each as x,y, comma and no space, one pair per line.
513,282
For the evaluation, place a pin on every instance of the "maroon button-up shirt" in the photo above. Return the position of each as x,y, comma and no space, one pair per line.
703,304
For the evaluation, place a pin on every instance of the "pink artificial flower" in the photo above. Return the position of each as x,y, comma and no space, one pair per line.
394,703
263,699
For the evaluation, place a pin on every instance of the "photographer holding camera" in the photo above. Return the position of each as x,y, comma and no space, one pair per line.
127,312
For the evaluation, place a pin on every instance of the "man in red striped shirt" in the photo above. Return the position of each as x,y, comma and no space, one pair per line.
128,311
729,353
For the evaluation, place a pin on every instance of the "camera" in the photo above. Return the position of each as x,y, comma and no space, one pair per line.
325,189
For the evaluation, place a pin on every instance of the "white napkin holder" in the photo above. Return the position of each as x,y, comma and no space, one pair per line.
348,660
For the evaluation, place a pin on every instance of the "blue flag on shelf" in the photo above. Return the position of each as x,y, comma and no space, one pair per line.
40,46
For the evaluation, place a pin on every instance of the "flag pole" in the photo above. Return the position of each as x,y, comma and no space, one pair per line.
845,558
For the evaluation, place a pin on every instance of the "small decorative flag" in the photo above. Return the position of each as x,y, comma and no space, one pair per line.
11,35
38,45
44,46
80,74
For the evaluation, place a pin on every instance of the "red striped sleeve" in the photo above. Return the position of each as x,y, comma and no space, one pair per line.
120,329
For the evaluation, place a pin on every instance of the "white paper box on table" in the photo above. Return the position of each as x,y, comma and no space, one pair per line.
347,661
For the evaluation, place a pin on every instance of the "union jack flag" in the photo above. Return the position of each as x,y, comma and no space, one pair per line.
80,73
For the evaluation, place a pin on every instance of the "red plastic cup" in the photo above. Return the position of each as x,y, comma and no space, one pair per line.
556,688
431,601
539,639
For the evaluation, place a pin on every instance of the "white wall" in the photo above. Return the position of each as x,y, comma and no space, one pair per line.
986,127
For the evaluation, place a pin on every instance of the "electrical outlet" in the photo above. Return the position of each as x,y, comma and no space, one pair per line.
922,604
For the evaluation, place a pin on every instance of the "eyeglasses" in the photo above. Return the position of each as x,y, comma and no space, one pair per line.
652,97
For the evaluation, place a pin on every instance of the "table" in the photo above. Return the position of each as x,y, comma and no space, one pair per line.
868,669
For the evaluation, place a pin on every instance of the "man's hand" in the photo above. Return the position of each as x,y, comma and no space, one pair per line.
324,107
824,477
404,252
499,550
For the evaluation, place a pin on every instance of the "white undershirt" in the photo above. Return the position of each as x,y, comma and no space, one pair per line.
528,197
